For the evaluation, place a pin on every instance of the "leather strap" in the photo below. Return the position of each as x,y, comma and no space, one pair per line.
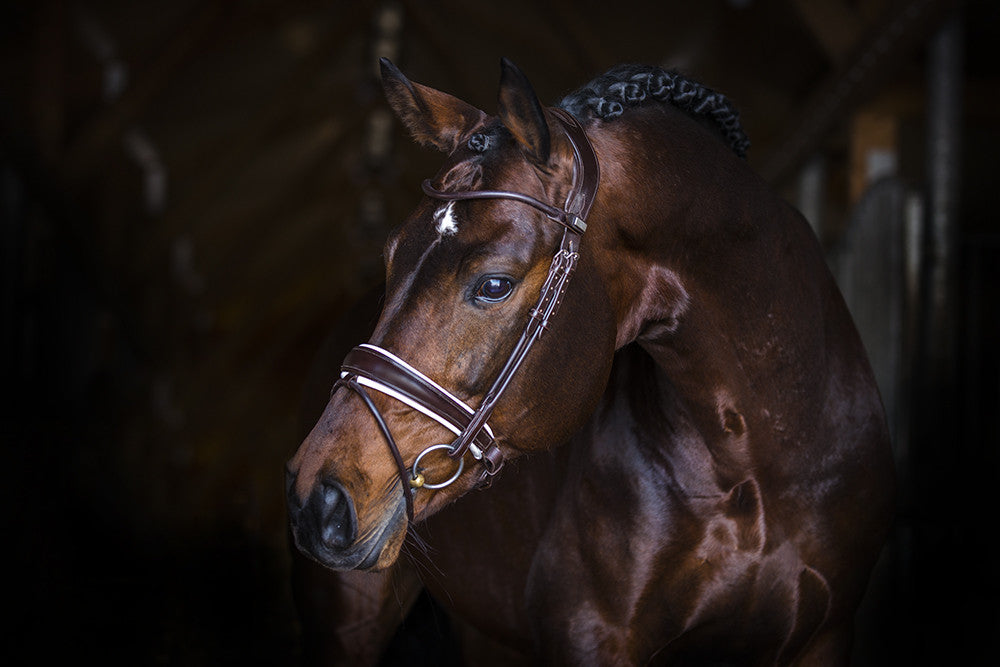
564,218
586,168
352,383
396,378
548,303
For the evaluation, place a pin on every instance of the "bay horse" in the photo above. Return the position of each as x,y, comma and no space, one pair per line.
695,460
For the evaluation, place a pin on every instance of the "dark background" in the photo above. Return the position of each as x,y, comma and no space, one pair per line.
192,193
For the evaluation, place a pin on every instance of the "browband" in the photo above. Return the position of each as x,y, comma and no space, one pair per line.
375,368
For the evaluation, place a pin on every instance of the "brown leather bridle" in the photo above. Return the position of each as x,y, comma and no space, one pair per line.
373,367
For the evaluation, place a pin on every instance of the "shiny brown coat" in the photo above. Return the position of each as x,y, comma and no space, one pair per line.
699,462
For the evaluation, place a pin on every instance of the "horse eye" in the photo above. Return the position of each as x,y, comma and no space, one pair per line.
494,289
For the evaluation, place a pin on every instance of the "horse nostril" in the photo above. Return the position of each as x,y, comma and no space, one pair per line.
338,527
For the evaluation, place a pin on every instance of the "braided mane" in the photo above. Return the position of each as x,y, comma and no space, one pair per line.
626,86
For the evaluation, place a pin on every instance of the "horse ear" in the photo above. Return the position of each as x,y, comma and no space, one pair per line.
432,117
522,114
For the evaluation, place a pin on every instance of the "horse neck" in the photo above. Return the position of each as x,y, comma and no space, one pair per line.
718,280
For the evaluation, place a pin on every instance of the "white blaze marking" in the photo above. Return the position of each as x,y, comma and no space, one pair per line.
444,219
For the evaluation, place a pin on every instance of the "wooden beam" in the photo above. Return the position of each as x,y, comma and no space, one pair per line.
874,149
835,25
896,37
273,116
85,154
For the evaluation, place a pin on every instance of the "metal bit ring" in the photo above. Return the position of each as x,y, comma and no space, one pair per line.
417,479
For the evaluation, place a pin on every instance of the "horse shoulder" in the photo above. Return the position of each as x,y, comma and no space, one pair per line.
648,555
607,581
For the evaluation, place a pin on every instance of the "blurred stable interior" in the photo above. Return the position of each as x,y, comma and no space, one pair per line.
194,192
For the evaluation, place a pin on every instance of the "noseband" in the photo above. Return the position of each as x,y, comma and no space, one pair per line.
369,366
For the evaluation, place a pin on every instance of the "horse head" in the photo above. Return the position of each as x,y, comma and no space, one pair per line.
474,277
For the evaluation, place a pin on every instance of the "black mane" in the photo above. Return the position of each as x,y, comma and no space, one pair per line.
626,86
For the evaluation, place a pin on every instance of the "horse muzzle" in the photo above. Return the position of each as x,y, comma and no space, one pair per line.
325,526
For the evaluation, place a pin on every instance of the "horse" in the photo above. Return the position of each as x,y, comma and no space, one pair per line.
614,409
